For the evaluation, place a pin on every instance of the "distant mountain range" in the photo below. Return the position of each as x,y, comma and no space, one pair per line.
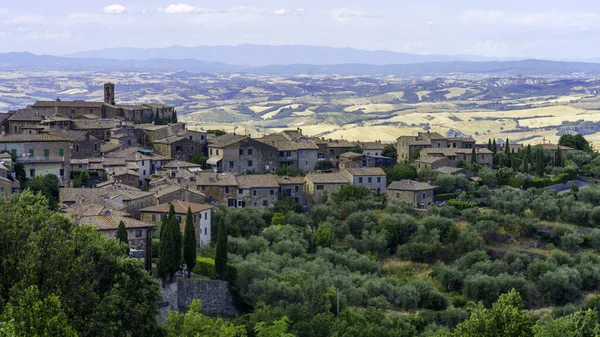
27,61
263,55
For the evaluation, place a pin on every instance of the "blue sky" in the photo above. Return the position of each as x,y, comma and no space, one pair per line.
527,28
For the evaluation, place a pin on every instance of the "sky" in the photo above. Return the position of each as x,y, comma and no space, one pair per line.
549,29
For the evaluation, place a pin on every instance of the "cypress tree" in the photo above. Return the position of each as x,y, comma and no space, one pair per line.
494,146
539,168
122,235
169,257
473,156
174,117
189,243
156,118
559,161
489,146
507,148
221,254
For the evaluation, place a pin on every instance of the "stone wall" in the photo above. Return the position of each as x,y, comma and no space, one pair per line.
213,295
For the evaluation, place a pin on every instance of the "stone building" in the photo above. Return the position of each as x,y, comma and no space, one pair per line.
320,185
373,178
483,156
432,163
5,183
177,147
239,153
408,146
201,213
143,113
419,195
40,154
219,188
292,187
72,109
294,149
84,144
355,160
150,132
372,148
125,176
100,129
332,148
171,191
257,190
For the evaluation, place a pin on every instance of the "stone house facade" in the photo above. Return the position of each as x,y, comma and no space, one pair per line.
373,178
257,190
432,163
292,187
219,188
417,194
320,185
85,145
236,153
177,147
40,154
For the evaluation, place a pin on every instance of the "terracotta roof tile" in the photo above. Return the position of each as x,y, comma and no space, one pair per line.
180,206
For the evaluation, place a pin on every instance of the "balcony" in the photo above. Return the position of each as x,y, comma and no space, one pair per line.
25,160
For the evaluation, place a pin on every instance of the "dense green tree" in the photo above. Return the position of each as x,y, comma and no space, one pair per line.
473,156
195,324
389,150
324,236
356,149
579,324
48,185
505,318
221,257
577,142
199,159
156,119
122,234
101,292
189,243
401,171
559,160
169,260
489,145
324,165
174,117
30,315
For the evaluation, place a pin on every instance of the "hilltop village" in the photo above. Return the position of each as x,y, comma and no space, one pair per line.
129,162
289,223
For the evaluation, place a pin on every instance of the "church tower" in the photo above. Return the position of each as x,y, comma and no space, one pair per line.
109,93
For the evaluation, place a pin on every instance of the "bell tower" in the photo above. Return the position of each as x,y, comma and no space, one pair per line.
109,93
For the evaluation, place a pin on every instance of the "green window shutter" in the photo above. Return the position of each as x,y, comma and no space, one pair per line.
46,153
61,152
31,152
13,152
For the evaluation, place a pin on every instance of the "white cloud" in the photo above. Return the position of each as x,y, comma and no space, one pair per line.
115,9
490,48
345,14
48,35
540,19
180,9
4,11
26,20
284,11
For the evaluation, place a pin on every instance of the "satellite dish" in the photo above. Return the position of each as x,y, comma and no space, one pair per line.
107,212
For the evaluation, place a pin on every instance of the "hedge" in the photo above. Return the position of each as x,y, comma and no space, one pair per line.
206,266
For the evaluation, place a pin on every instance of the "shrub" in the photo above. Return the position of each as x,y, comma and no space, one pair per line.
205,266
409,297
